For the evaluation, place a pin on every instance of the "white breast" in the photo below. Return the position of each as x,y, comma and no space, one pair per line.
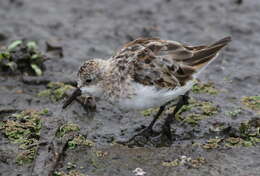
92,90
150,96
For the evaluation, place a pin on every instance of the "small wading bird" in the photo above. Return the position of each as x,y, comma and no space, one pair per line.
146,73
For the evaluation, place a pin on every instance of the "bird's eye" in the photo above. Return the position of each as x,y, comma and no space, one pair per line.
88,80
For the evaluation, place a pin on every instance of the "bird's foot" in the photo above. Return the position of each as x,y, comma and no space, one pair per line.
163,138
88,103
148,137
139,139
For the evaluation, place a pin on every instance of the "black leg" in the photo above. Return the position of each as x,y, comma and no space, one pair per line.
170,118
156,116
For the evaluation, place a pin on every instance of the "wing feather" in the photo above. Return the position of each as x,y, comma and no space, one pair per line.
163,63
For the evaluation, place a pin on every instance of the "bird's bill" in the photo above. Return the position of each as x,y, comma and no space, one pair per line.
74,95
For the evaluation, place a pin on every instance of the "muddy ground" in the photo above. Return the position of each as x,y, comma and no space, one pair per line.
88,28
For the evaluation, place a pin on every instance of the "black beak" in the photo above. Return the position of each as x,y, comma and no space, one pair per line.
74,95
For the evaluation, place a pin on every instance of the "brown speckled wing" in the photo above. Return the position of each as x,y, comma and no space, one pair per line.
163,63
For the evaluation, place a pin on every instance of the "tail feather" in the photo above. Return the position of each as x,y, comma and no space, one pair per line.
224,41
203,56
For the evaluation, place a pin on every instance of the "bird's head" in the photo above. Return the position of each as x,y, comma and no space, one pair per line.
89,76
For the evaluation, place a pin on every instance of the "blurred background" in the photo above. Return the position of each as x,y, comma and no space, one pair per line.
88,28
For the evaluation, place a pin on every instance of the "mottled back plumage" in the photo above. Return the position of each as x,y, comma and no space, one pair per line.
163,63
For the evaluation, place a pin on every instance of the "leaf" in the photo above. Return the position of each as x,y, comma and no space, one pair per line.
35,56
14,44
1,57
31,45
4,55
12,65
36,69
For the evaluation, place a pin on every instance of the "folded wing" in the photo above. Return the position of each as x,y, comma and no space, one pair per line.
166,64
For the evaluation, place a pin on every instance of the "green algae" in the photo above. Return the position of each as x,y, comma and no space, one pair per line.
80,141
23,129
234,113
252,102
26,156
208,88
183,160
196,111
149,112
70,173
173,163
70,166
55,91
212,143
67,128
193,118
198,162
77,140
247,134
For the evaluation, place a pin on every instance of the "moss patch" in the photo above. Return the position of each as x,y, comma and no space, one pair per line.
149,112
250,132
252,102
80,140
247,134
196,111
67,128
77,140
55,91
23,129
234,113
173,163
187,161
212,143
70,173
208,88
22,56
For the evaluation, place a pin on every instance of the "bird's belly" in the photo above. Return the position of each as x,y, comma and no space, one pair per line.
149,96
139,103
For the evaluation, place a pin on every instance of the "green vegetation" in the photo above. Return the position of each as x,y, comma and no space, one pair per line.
196,111
204,88
248,135
67,128
198,162
22,56
71,173
250,132
149,112
194,163
55,91
23,129
212,143
252,102
79,140
234,113
26,156
70,166
173,163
